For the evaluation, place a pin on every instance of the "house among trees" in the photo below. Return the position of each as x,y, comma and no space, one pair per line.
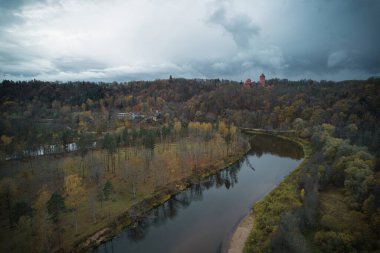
132,116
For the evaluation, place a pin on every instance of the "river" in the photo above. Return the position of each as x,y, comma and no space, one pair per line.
202,217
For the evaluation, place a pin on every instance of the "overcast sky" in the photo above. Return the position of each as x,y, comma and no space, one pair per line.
121,40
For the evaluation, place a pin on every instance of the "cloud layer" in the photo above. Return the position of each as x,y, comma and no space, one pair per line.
107,40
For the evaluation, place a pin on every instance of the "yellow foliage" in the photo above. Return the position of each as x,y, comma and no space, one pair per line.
222,128
74,189
71,183
68,165
9,103
128,98
86,114
89,102
42,198
233,130
177,126
6,139
65,109
328,128
160,102
41,221
82,125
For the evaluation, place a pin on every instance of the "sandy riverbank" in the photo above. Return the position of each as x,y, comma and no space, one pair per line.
240,235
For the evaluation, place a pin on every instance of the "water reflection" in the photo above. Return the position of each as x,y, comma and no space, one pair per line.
262,144
199,218
170,209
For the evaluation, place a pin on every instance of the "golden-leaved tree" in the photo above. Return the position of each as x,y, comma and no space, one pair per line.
41,223
75,193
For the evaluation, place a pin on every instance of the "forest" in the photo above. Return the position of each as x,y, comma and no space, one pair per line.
74,155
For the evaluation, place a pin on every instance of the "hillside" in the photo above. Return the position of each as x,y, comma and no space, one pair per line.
75,155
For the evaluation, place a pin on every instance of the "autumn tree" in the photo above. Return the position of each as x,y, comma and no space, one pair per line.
41,222
177,128
75,193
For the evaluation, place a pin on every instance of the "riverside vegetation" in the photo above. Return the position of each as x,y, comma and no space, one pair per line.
82,193
313,208
175,129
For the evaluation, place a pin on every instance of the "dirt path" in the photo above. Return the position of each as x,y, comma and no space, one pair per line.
241,234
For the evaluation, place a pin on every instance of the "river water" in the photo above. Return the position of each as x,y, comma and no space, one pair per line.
202,217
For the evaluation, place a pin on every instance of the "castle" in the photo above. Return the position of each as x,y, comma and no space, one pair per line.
248,83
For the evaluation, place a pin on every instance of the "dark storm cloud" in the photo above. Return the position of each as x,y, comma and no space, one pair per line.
9,8
141,39
15,4
241,27
343,37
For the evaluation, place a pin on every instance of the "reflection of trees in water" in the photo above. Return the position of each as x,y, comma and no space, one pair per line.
227,178
183,199
249,164
208,184
262,144
219,180
196,192
158,215
139,230
172,208
169,210
108,247
233,172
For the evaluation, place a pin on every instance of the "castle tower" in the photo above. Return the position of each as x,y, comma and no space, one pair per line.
262,79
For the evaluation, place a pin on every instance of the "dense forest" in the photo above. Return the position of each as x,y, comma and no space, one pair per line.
74,154
57,112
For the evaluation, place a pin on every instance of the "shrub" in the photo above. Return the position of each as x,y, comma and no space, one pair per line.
331,241
329,222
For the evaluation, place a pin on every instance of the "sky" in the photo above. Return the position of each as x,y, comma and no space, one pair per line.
123,40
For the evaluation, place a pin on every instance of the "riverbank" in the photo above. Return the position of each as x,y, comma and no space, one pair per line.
102,191
283,198
240,235
138,211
